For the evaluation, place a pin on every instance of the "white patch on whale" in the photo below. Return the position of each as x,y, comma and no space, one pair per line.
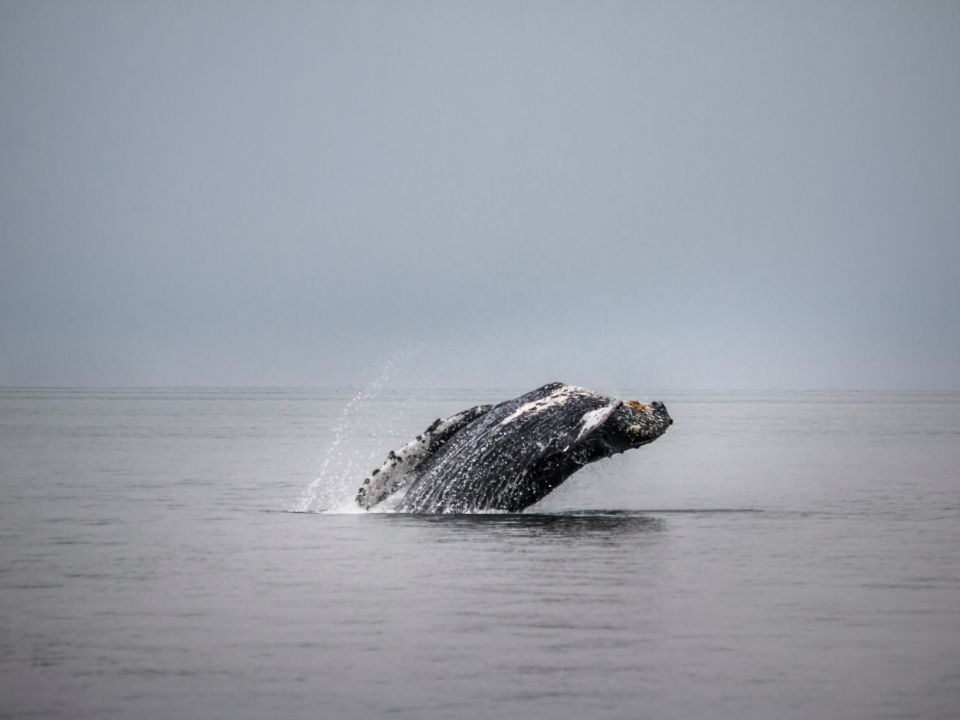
554,399
595,418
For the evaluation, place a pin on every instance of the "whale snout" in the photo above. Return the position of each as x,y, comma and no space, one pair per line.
640,422
660,409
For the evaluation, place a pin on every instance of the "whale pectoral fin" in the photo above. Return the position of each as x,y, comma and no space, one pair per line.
396,471
399,470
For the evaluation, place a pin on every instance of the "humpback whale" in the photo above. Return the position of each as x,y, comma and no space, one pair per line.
510,455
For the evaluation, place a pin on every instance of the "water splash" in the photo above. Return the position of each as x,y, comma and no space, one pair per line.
334,487
341,429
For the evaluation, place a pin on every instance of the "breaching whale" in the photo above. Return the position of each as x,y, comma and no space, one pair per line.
510,455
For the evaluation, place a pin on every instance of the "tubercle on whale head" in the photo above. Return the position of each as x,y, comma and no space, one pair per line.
635,423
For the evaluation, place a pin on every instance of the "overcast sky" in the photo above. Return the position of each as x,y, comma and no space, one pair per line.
617,194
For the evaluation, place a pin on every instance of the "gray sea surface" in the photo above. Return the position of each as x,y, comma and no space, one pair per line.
194,553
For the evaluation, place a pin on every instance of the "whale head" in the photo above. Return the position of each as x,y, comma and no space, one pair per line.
636,423
621,426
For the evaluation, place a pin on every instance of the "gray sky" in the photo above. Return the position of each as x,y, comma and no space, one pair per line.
500,193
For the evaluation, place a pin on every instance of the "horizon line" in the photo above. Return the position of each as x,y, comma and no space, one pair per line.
354,386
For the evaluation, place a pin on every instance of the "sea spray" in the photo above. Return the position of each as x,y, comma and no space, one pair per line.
346,463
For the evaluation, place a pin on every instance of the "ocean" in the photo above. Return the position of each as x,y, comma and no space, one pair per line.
195,553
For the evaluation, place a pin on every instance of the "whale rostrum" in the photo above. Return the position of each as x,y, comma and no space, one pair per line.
510,455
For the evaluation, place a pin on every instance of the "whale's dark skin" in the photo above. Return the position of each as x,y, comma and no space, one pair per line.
508,456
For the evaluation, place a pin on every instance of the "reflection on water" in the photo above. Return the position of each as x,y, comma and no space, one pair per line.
583,523
605,522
